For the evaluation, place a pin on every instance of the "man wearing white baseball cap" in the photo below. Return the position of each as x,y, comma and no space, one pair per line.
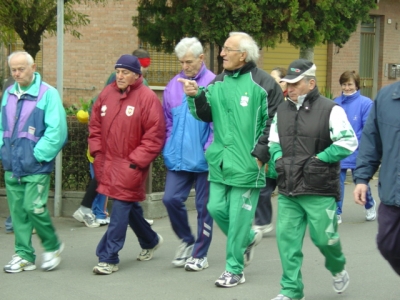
309,136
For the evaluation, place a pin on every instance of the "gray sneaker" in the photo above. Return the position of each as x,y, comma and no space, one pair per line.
90,221
103,268
341,282
147,254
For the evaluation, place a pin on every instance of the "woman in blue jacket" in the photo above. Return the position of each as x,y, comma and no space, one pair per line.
357,108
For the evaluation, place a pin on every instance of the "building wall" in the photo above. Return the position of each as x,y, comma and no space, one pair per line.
347,58
89,61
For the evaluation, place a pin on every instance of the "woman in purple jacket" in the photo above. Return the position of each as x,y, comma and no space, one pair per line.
357,108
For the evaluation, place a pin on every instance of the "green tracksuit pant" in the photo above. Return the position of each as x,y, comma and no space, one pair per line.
294,214
27,200
233,209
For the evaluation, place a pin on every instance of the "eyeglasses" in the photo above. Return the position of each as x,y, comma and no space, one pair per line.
227,49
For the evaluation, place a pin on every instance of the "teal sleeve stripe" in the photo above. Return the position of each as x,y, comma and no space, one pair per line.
192,106
333,154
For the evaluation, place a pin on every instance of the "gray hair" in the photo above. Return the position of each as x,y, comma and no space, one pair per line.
28,57
186,45
247,44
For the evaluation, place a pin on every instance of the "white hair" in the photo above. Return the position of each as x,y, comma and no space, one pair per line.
28,57
187,45
247,44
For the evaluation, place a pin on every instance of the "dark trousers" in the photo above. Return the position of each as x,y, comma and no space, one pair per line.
177,188
388,238
263,214
122,214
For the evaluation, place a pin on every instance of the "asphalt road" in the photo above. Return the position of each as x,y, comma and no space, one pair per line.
370,275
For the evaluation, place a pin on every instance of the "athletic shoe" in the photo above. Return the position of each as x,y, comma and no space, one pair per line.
18,264
283,297
341,281
151,222
196,264
104,268
249,252
147,254
227,279
78,215
183,252
52,259
339,219
90,221
370,214
105,221
264,228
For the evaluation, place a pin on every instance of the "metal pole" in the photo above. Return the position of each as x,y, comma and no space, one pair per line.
60,78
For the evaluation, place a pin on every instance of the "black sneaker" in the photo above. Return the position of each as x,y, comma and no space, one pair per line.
227,279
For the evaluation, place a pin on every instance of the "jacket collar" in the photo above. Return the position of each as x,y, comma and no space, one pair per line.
243,70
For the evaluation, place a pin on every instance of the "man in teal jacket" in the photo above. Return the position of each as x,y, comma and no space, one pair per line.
240,102
33,129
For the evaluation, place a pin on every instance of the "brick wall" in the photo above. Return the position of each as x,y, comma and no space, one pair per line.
89,61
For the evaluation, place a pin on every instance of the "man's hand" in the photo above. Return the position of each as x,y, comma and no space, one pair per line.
360,193
190,87
259,163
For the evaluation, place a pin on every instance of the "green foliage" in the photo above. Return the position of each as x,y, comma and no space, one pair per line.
73,108
31,18
326,92
306,23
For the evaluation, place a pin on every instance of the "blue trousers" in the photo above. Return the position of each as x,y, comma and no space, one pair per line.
99,202
263,214
343,174
122,214
177,188
388,238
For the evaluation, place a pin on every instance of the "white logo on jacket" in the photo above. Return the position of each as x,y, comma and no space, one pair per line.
129,110
103,110
244,100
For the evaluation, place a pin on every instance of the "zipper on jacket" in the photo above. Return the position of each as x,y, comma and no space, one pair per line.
290,182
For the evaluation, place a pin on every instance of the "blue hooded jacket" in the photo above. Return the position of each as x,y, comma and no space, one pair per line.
357,108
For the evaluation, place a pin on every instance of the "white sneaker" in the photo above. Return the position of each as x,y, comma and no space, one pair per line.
339,219
249,252
105,221
196,264
90,221
151,222
370,214
18,264
341,282
52,259
283,297
264,228
78,215
183,252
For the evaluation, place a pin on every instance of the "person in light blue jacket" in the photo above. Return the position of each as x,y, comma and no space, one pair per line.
357,108
186,141
33,130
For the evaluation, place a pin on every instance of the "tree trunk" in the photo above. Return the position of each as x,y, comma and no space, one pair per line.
307,53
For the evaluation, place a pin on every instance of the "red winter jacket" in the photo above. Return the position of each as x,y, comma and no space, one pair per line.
127,132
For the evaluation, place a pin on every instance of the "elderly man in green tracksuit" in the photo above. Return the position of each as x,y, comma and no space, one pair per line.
240,102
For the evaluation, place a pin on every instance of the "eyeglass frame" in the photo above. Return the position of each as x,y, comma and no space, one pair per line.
228,50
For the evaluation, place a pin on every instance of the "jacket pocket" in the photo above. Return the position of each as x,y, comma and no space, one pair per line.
125,175
6,158
316,174
280,171
29,164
